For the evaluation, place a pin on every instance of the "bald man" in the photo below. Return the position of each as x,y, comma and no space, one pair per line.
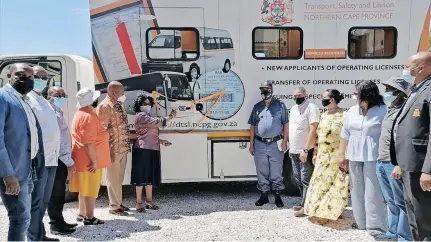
114,117
42,190
19,146
411,145
58,99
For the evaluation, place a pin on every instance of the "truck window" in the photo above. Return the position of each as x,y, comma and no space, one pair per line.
281,43
173,44
53,68
372,42
180,88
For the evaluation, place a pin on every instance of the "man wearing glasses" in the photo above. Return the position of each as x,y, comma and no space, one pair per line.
58,99
47,118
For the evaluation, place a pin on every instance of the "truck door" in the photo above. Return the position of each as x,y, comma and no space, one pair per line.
179,26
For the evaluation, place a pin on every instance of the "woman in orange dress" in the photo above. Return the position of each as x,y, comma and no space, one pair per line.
90,151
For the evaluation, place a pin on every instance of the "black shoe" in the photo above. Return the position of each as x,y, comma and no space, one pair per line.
61,231
262,200
278,201
70,226
49,239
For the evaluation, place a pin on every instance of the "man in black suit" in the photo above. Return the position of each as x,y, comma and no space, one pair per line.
411,146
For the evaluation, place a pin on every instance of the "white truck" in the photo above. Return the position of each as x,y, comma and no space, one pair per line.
316,44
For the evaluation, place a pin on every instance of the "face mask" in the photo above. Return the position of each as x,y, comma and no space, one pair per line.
354,97
122,98
59,102
389,97
326,102
146,109
266,94
23,85
39,85
95,103
408,76
299,100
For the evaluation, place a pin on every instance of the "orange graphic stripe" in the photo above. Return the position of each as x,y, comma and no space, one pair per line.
111,6
148,12
97,71
423,44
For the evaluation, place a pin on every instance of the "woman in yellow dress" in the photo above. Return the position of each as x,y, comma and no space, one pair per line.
328,192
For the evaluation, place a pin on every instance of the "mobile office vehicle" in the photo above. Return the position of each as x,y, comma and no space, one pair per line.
315,44
216,52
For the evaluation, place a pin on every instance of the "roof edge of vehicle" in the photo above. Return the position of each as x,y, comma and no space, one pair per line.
74,57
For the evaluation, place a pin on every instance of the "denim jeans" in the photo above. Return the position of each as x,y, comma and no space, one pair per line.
39,202
302,173
392,190
18,209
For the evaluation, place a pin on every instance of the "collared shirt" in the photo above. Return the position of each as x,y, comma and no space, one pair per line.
269,120
50,131
385,136
147,131
34,143
114,119
301,117
413,91
65,139
363,133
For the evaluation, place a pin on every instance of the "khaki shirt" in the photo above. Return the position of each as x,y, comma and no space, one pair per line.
114,119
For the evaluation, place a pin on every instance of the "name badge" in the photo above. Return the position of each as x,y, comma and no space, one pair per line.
417,113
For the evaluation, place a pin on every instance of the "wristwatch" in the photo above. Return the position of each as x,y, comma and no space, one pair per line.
306,151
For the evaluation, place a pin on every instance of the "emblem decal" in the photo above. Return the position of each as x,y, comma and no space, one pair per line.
277,12
417,113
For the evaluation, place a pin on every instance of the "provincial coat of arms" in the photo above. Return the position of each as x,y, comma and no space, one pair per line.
277,12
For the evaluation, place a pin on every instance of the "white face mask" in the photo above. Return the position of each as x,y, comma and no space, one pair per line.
146,109
122,99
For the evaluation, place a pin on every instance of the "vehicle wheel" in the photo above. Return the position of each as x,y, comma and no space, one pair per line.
194,72
289,179
227,66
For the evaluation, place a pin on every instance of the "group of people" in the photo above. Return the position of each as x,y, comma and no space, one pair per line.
378,153
38,152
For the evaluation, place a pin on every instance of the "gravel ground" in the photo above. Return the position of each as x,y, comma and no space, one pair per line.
204,212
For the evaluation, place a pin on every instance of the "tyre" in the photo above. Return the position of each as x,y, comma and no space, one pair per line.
226,66
289,179
194,72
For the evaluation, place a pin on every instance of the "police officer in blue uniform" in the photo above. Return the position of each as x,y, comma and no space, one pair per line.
268,142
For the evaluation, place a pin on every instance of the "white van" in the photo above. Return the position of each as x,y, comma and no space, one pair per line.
215,52
315,44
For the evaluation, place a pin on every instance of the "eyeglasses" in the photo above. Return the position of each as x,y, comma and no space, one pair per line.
56,95
41,77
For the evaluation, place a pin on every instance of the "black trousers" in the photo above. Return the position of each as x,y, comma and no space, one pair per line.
418,207
56,203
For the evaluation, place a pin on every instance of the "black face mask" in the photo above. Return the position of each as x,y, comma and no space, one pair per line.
299,100
326,102
266,94
95,103
23,85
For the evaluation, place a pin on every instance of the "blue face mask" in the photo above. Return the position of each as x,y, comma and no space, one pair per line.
39,85
59,102
407,75
389,97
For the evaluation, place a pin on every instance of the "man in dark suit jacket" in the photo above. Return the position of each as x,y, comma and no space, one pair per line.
20,159
411,146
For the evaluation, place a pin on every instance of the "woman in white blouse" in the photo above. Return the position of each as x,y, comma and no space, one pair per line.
360,142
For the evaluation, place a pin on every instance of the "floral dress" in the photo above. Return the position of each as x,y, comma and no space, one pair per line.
328,193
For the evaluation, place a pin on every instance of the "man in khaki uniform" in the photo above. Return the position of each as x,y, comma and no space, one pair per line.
114,117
